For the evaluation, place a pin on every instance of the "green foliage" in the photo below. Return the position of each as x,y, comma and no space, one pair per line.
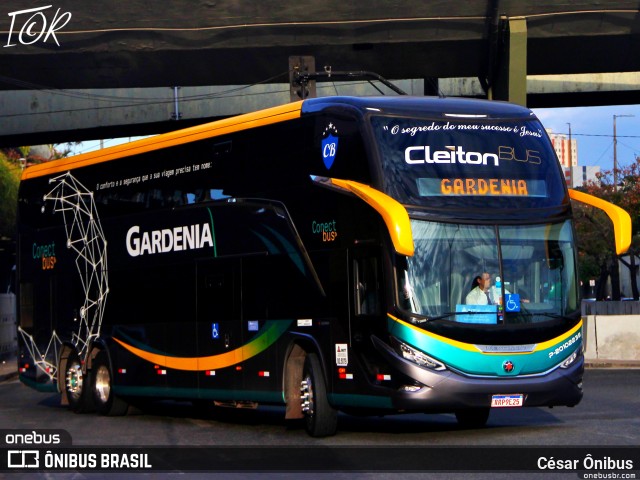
9,180
593,228
10,172
626,194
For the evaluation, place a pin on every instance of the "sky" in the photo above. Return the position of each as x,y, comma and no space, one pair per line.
592,127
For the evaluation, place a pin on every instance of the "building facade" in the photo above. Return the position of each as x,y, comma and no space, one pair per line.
566,149
577,176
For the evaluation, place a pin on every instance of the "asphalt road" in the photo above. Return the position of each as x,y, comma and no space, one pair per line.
609,415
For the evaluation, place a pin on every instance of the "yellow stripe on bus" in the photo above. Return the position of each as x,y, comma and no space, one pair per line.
461,345
200,132
472,348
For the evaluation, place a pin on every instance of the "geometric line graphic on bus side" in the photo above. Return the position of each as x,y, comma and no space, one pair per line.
269,334
84,235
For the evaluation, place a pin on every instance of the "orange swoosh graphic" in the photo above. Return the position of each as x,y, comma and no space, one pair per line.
272,331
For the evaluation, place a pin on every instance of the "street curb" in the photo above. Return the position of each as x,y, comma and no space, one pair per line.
612,364
8,376
8,369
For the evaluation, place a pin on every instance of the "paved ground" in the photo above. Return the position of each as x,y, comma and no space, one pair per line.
8,368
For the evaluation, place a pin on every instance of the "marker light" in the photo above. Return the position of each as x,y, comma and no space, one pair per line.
420,358
410,388
570,359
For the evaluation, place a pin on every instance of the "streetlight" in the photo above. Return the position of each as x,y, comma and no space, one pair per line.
615,152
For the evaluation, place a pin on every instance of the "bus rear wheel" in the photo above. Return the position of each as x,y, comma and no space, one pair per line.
107,403
321,419
77,384
473,417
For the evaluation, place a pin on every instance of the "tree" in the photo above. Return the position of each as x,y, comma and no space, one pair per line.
12,161
10,171
595,249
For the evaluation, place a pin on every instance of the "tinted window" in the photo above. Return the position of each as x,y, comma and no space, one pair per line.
468,162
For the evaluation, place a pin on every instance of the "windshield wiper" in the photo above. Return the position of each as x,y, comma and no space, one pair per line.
424,319
555,315
527,313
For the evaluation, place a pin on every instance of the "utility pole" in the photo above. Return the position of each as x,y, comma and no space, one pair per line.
615,152
570,148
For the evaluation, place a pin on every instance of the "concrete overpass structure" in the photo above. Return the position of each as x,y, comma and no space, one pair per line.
74,70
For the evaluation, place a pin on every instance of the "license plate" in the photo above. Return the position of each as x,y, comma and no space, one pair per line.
506,401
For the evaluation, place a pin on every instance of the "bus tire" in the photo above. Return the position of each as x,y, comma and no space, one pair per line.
77,385
107,403
473,417
321,419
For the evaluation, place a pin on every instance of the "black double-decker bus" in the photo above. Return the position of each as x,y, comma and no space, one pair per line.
325,255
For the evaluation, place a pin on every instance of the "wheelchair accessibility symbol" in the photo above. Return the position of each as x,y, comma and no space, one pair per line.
512,302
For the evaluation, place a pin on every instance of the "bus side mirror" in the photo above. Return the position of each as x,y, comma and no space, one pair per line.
620,218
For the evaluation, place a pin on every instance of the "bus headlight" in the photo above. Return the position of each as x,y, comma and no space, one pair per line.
570,359
420,358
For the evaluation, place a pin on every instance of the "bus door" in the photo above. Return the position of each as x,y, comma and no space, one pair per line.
366,282
367,315
219,328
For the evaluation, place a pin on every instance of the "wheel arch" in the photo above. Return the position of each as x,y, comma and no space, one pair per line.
299,347
98,345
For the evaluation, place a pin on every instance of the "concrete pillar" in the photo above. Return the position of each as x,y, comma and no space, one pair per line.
8,332
510,83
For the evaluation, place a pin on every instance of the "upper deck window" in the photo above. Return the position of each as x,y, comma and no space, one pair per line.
468,162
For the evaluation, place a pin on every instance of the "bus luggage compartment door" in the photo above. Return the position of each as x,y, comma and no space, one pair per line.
219,328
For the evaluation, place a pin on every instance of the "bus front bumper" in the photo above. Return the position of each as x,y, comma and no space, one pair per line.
448,390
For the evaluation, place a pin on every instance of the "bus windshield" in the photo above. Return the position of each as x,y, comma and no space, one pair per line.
468,162
531,270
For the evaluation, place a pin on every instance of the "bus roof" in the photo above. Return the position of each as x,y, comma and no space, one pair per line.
432,106
178,137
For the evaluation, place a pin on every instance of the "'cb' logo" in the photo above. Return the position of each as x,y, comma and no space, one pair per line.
329,150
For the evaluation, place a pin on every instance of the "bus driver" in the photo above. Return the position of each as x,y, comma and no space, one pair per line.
479,295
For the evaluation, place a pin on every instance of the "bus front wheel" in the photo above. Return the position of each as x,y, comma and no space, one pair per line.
473,417
77,384
321,419
107,403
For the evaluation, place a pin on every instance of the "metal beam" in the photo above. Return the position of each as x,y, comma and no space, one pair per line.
57,116
544,91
